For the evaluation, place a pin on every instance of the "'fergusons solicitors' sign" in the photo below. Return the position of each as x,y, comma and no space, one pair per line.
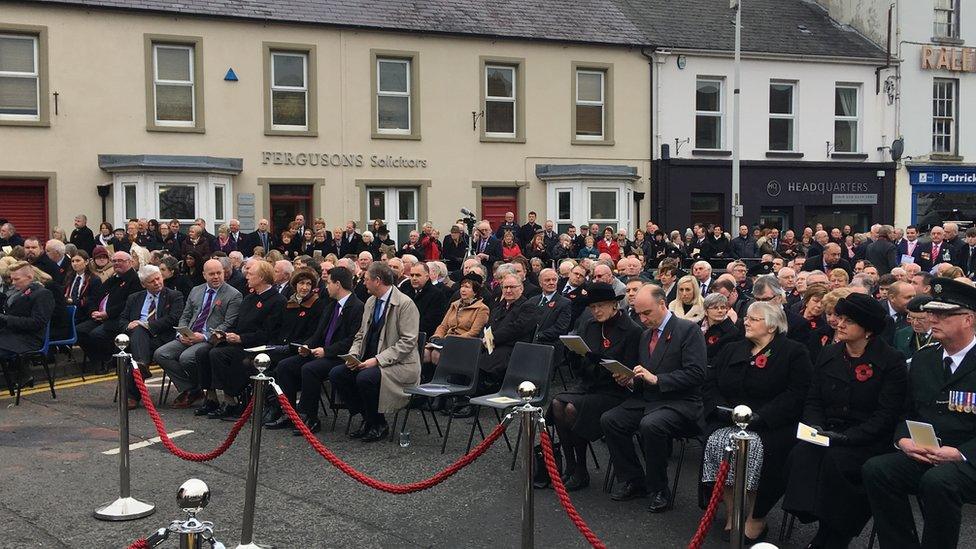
336,160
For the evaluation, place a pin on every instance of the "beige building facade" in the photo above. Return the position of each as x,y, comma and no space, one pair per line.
152,115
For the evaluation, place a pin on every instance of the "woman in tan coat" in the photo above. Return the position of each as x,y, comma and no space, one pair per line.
465,317
689,304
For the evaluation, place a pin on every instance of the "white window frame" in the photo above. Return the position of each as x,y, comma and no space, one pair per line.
950,27
580,202
499,99
720,113
35,75
601,103
780,116
560,221
161,182
222,189
147,194
380,93
950,104
125,200
304,89
615,221
856,118
391,206
190,50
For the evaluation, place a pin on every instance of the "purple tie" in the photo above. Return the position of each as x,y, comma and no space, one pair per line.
201,320
333,324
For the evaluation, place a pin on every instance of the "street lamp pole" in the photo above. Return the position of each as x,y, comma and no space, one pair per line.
736,202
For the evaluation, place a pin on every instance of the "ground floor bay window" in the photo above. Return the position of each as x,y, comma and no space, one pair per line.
584,194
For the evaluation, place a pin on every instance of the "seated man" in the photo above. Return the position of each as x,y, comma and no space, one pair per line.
212,306
95,334
26,315
332,337
386,345
430,301
149,318
258,323
666,401
941,384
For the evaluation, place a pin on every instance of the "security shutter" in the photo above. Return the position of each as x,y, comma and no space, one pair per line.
24,203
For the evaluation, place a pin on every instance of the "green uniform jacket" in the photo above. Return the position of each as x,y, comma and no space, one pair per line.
929,399
907,343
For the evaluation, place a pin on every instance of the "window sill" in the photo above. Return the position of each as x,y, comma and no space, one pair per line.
176,129
848,156
942,157
710,152
487,139
26,123
598,142
948,40
783,154
297,133
400,136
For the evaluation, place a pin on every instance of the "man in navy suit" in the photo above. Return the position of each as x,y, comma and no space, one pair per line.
333,336
555,311
935,252
486,246
148,318
261,237
666,401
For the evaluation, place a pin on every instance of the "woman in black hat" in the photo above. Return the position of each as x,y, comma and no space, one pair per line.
856,397
576,412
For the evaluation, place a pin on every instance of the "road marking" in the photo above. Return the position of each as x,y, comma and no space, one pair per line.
145,443
41,386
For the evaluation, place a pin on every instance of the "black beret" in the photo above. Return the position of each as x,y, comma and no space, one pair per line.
916,303
760,269
598,292
864,310
949,295
474,277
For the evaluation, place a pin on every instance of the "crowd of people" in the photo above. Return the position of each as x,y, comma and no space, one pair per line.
849,333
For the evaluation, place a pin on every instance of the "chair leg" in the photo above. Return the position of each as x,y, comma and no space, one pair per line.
393,431
873,536
447,432
8,379
498,417
518,440
406,416
682,446
423,415
162,389
50,378
437,425
116,397
596,462
474,423
609,477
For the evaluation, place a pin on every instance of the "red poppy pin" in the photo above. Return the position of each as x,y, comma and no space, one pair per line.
217,303
27,292
712,340
760,360
813,324
668,337
301,313
606,343
552,304
824,340
259,305
863,372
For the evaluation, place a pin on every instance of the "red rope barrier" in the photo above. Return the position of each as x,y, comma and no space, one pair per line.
362,478
140,543
557,484
164,437
706,520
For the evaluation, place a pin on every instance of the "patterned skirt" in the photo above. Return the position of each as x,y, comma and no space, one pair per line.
715,453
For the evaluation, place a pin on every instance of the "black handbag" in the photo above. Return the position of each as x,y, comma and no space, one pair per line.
541,477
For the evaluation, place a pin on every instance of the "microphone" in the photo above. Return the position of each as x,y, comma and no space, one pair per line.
467,212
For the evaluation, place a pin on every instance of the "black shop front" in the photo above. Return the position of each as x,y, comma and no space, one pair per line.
782,194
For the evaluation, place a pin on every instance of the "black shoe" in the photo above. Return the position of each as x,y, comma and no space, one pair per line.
628,491
271,415
464,412
377,433
313,424
578,481
283,422
232,412
28,383
659,501
208,407
361,431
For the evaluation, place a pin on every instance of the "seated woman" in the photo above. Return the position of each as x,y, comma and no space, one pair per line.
689,304
302,313
510,248
464,318
536,249
770,373
829,303
810,326
838,278
588,251
718,327
81,285
172,279
856,397
193,268
610,334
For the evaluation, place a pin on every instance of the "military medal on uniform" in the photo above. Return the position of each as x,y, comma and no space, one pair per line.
953,400
969,402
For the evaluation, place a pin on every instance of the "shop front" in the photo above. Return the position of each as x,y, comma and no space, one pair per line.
942,193
773,194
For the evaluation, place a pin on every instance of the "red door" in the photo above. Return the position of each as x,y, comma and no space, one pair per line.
496,202
23,202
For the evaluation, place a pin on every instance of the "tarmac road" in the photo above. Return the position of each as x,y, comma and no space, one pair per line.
55,473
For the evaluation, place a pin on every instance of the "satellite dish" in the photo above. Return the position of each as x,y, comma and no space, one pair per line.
897,149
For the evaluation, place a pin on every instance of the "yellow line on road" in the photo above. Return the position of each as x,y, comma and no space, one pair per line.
40,384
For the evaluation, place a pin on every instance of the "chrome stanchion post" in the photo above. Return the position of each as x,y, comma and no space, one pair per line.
741,416
261,363
527,391
192,497
125,507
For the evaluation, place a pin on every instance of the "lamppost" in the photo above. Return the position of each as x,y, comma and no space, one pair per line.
736,201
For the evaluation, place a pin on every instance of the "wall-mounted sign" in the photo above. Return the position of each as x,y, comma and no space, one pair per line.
855,198
949,59
336,160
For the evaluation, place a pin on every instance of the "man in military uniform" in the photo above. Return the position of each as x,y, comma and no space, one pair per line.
943,393
917,334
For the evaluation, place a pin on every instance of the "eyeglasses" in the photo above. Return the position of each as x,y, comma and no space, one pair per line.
765,299
510,287
754,319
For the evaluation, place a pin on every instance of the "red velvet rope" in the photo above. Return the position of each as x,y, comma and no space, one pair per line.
557,484
147,401
706,520
140,543
362,478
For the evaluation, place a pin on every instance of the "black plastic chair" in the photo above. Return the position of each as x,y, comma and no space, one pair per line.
24,361
459,361
529,362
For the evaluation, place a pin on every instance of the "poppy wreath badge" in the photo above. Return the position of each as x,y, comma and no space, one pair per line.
259,304
712,339
301,313
863,372
824,339
760,360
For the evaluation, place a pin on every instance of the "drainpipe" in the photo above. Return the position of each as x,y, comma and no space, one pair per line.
654,93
